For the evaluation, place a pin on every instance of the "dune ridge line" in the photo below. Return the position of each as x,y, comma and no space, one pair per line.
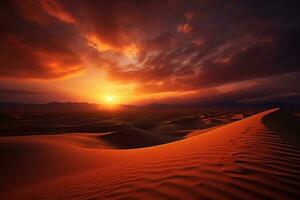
243,160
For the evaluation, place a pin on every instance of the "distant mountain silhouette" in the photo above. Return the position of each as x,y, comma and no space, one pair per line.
87,107
52,106
225,105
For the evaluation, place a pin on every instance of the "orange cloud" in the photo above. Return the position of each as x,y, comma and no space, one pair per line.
95,42
184,28
41,11
55,39
53,8
58,65
131,51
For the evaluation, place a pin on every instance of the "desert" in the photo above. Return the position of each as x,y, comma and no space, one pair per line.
149,99
252,158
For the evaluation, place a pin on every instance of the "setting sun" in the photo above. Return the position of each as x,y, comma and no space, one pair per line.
149,99
109,99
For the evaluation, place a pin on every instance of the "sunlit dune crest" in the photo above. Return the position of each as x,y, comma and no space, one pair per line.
241,160
147,100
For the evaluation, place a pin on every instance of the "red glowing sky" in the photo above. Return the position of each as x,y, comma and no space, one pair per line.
148,51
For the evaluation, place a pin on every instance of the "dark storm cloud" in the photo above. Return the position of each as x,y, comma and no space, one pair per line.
177,45
229,42
281,87
263,47
29,49
4,91
266,58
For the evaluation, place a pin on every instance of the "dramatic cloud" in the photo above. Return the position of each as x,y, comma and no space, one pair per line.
160,46
18,92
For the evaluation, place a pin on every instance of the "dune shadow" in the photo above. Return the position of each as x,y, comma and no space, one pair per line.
285,125
130,139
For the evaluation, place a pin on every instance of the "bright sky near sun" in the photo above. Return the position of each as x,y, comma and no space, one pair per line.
137,53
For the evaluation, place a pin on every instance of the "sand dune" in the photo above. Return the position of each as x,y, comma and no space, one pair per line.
284,124
254,158
134,138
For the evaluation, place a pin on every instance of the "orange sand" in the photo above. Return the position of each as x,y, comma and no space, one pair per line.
242,160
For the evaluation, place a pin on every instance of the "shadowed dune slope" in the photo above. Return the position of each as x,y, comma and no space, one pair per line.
242,160
284,124
29,159
129,139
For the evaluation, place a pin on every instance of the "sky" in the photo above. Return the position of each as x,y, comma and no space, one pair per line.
141,52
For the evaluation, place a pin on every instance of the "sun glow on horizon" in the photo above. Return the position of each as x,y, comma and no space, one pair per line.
110,99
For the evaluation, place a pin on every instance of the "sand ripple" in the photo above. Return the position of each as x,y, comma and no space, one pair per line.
242,160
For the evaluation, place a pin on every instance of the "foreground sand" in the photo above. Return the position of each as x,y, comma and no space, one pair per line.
247,159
